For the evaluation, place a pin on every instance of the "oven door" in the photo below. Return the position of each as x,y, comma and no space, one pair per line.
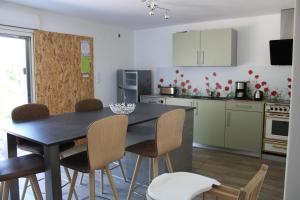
277,126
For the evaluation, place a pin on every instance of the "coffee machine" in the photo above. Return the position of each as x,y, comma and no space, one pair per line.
241,89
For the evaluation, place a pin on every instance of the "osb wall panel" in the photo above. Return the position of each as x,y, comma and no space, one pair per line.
59,83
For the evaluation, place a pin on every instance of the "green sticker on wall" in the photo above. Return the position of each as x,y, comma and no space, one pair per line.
85,65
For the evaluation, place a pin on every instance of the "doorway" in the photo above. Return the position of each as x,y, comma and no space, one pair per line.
15,76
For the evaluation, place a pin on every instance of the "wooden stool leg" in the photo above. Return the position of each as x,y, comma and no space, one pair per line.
155,167
122,170
81,179
25,188
72,186
1,189
35,186
69,179
150,170
102,181
168,163
92,185
134,176
6,190
111,181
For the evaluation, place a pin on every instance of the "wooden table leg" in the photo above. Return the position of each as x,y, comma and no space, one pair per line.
52,173
11,151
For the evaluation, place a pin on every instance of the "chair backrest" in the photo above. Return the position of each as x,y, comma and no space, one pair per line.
169,127
253,188
30,112
88,105
106,140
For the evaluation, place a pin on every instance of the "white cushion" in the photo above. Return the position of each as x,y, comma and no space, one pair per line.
179,186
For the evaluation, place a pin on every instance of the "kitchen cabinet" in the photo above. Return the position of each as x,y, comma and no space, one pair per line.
210,122
219,47
179,101
205,48
244,126
186,48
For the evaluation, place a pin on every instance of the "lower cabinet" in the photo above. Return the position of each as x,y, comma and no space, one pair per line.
244,127
179,102
210,122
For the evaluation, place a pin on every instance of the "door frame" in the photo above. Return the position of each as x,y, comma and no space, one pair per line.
27,34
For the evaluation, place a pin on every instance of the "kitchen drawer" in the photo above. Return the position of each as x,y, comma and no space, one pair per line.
245,106
274,147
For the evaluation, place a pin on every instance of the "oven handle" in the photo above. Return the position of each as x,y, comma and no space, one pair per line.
279,146
277,116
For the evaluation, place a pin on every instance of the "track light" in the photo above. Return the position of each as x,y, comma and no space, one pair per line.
153,5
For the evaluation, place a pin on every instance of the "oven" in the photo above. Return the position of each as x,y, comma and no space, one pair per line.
276,126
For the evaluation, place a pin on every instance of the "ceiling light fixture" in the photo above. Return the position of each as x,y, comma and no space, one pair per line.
153,5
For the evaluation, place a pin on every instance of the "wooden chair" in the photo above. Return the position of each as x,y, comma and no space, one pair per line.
31,112
168,137
106,144
24,166
250,192
87,105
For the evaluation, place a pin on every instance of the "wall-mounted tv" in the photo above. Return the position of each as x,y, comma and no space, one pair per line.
281,52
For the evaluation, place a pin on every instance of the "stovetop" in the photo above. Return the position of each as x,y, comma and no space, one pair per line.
275,106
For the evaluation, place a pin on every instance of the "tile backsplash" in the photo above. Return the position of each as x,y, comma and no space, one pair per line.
274,81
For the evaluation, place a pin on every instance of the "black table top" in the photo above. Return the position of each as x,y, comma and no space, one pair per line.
67,127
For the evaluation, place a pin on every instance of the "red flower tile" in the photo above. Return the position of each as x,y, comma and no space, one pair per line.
257,76
183,84
218,94
175,81
289,79
187,81
183,90
195,90
289,86
206,78
263,83
177,71
214,74
181,75
229,82
226,88
258,86
207,84
266,89
274,93
250,71
189,87
289,93
161,80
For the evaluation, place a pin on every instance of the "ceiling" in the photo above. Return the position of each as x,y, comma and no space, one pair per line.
133,14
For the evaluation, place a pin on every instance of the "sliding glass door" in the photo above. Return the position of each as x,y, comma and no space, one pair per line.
15,75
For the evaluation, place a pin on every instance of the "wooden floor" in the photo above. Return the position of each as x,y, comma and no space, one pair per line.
230,169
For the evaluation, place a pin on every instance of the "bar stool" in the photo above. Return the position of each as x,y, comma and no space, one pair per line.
88,105
168,137
23,166
31,112
106,144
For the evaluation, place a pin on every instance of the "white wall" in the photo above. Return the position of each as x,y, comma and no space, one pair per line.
110,52
292,181
153,48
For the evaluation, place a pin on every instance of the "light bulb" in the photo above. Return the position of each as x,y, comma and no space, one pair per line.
166,15
151,13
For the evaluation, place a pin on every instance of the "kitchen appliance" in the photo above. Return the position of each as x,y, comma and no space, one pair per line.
153,99
276,127
133,83
258,95
241,90
281,52
168,90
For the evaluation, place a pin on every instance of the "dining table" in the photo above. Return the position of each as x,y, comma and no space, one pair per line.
60,129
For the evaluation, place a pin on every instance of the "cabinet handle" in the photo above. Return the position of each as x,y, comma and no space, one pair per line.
197,57
202,57
228,119
197,108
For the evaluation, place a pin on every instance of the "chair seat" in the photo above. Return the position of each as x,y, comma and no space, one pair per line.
179,186
36,148
21,166
78,162
146,148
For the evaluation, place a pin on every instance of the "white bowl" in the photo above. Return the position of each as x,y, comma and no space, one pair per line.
122,108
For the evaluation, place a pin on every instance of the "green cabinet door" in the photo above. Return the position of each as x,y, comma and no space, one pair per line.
210,125
186,48
179,102
244,130
218,47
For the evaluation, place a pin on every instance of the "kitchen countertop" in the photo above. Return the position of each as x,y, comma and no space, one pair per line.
203,98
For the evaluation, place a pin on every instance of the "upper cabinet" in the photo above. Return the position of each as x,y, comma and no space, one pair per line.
211,48
186,48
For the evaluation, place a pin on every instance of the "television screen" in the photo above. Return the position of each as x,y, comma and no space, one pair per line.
281,52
